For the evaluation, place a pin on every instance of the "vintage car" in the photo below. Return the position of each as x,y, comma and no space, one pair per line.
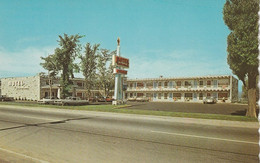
131,99
47,100
71,101
142,99
209,100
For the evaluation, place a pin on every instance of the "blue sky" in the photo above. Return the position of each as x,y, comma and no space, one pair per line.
173,38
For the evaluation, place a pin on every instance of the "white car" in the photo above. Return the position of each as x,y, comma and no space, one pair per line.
71,101
47,100
209,100
142,99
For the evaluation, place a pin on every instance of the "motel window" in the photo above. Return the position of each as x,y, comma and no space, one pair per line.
165,95
148,95
208,83
178,83
188,96
131,94
201,96
160,84
131,85
170,84
187,83
140,94
222,95
208,94
223,82
79,94
201,83
149,84
165,84
159,95
140,84
154,85
176,96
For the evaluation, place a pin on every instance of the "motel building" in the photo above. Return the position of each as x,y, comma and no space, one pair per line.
187,89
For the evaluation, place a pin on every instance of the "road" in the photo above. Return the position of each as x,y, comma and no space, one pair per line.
59,135
189,107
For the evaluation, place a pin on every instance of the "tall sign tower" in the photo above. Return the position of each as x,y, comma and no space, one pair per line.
120,63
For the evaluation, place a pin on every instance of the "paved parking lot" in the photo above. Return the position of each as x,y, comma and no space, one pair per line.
219,108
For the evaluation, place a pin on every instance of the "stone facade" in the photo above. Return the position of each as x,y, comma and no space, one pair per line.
23,88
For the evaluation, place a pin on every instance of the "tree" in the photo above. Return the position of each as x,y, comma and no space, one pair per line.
65,56
88,66
105,71
242,19
245,92
50,65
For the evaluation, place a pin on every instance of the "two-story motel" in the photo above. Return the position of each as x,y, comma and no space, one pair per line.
187,89
193,89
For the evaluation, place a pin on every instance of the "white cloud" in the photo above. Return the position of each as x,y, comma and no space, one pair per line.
176,64
25,61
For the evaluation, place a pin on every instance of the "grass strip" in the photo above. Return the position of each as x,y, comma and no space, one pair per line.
126,109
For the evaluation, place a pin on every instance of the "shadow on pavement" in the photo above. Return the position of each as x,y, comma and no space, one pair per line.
243,112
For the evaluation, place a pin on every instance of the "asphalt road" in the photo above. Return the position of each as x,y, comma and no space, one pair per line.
219,108
52,135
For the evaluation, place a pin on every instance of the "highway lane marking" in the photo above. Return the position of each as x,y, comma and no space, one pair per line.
205,137
23,155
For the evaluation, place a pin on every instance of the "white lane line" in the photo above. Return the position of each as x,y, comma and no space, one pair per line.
204,137
22,155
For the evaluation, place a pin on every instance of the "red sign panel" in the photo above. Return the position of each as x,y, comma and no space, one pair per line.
120,61
118,71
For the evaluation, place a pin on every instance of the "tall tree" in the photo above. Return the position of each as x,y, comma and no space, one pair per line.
242,19
88,66
105,71
65,56
50,65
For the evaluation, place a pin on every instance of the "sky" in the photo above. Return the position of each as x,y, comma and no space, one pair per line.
172,38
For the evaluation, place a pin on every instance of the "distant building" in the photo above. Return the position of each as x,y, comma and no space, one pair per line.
187,89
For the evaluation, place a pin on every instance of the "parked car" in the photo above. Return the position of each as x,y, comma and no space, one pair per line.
101,99
142,99
5,98
105,99
109,99
131,99
209,100
47,100
71,101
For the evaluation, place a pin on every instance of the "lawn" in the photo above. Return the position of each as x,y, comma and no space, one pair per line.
128,110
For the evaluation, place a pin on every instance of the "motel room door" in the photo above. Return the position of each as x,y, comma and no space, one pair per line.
194,96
